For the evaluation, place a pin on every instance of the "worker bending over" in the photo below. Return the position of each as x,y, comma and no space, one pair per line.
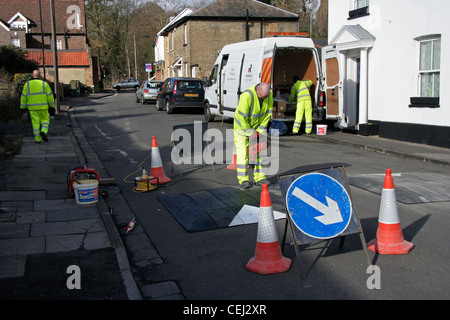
251,118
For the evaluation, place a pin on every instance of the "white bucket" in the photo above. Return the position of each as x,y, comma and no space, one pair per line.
321,129
86,191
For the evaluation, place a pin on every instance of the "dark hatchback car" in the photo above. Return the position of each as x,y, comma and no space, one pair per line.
180,93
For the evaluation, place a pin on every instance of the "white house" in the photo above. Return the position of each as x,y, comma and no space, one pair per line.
394,73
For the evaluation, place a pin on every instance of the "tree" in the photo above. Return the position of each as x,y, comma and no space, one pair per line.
12,60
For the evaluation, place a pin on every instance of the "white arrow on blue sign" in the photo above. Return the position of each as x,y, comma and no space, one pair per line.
319,205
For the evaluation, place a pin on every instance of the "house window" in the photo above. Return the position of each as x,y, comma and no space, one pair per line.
15,42
59,44
360,9
429,67
361,4
185,34
429,72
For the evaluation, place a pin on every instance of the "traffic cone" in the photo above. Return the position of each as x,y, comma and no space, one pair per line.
157,169
389,239
233,164
268,258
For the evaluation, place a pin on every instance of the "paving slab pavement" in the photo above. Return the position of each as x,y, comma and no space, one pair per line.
44,231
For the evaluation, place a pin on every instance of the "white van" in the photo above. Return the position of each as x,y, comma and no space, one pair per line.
274,60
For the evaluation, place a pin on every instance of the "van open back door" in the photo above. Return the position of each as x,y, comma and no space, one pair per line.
267,65
332,82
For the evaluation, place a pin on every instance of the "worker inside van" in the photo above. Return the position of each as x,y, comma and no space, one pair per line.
300,92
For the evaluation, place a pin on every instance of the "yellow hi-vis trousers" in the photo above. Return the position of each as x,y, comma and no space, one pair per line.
242,143
303,107
40,121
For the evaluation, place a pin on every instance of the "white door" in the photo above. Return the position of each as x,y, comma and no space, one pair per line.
231,84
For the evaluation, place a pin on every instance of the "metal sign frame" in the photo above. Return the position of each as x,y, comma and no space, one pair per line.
299,237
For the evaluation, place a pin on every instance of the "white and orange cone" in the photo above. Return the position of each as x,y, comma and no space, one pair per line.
389,239
157,169
268,258
233,164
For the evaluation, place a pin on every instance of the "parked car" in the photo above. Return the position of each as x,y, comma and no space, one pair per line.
180,93
127,83
148,91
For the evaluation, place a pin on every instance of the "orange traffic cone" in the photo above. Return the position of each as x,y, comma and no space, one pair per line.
268,258
389,239
233,164
157,169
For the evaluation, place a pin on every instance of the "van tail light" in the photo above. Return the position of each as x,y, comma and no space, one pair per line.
322,99
175,87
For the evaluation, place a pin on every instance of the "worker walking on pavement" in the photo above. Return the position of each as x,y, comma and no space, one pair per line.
251,118
300,91
38,97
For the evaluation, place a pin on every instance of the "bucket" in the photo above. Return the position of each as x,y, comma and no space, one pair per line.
321,129
86,191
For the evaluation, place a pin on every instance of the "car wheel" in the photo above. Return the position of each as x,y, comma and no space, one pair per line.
118,88
207,113
136,87
169,110
158,106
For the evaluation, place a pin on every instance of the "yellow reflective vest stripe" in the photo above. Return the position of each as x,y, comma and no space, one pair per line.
37,95
250,116
300,89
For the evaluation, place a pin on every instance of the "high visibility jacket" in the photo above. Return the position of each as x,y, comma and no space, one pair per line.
300,89
37,95
250,116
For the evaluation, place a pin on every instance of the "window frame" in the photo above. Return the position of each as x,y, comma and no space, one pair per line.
420,101
359,9
432,70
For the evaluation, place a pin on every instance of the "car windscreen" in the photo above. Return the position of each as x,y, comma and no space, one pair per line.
154,85
189,85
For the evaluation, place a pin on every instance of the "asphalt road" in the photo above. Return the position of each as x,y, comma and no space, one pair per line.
211,264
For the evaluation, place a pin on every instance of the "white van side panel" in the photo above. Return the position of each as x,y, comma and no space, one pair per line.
232,74
250,76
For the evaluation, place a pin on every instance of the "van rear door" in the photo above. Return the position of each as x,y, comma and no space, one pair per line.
267,65
332,82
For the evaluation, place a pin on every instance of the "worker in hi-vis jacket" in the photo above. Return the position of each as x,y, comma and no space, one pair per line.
300,91
38,97
251,118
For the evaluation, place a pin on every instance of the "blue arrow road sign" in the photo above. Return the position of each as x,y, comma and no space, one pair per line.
319,205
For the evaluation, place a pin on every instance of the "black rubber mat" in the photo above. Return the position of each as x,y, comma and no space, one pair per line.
214,208
409,187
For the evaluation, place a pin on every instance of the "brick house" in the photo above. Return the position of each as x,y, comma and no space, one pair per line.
191,41
20,27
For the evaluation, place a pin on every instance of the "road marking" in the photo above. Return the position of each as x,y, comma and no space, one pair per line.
102,133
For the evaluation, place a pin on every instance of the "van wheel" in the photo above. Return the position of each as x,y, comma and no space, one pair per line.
207,113
169,110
